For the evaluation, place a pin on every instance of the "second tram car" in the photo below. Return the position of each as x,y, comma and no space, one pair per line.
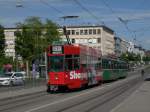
73,66
113,68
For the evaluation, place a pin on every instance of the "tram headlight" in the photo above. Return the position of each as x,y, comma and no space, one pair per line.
56,76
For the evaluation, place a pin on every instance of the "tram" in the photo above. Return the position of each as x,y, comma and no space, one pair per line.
72,66
113,69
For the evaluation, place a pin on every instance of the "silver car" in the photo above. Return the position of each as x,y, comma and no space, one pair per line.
12,78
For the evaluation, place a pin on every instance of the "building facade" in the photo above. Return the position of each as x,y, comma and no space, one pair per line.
118,46
124,46
10,41
100,37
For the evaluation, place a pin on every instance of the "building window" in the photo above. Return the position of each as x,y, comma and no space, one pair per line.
68,32
94,31
73,32
73,40
77,33
81,32
85,32
90,31
99,40
98,31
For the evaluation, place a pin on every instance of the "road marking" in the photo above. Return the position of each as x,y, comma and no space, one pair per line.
60,101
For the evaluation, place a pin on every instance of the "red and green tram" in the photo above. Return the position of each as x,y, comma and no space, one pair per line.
72,66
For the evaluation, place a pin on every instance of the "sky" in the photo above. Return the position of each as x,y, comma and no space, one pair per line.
130,19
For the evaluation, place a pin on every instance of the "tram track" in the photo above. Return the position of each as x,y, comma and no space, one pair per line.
112,95
105,97
21,102
11,103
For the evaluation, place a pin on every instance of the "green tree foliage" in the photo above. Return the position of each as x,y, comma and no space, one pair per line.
2,41
34,37
51,33
146,58
130,57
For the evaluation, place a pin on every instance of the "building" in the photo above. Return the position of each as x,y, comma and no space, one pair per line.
147,53
131,47
118,46
124,46
121,46
10,41
100,37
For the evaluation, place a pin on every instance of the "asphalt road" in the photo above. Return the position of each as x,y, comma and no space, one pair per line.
28,84
100,98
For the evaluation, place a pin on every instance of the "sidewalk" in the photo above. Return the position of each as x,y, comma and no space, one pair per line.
22,92
139,101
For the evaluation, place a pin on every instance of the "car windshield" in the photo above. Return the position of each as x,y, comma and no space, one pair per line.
6,75
18,74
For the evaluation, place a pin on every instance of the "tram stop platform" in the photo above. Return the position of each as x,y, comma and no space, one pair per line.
138,101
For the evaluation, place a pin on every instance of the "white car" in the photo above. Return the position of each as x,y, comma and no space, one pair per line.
12,78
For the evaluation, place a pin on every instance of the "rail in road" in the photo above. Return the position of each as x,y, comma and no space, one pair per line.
90,98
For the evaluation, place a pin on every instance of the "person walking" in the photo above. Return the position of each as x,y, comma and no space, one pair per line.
142,73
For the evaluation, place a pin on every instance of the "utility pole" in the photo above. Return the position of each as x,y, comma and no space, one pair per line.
46,69
65,28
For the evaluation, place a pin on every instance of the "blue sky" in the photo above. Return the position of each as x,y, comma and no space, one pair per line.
134,13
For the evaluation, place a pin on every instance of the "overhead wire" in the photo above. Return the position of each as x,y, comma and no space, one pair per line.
124,22
89,12
50,6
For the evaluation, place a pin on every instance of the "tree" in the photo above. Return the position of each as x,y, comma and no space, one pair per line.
131,57
2,41
146,59
51,32
33,36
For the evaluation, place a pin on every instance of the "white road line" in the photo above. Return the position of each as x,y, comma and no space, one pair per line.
60,101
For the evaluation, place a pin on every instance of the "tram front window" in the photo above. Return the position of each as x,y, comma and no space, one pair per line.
56,63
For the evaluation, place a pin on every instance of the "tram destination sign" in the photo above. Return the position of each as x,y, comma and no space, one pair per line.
57,50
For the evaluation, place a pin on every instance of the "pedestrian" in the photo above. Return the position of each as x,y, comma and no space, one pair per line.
142,73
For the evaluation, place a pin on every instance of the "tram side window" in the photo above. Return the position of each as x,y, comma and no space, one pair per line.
115,65
104,64
109,64
99,63
68,62
76,64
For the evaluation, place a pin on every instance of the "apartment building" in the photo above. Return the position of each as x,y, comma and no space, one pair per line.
118,46
10,42
100,37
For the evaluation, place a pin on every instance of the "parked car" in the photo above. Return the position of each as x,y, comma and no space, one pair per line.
12,78
147,77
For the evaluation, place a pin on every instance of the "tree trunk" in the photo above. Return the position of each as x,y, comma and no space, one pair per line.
27,68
